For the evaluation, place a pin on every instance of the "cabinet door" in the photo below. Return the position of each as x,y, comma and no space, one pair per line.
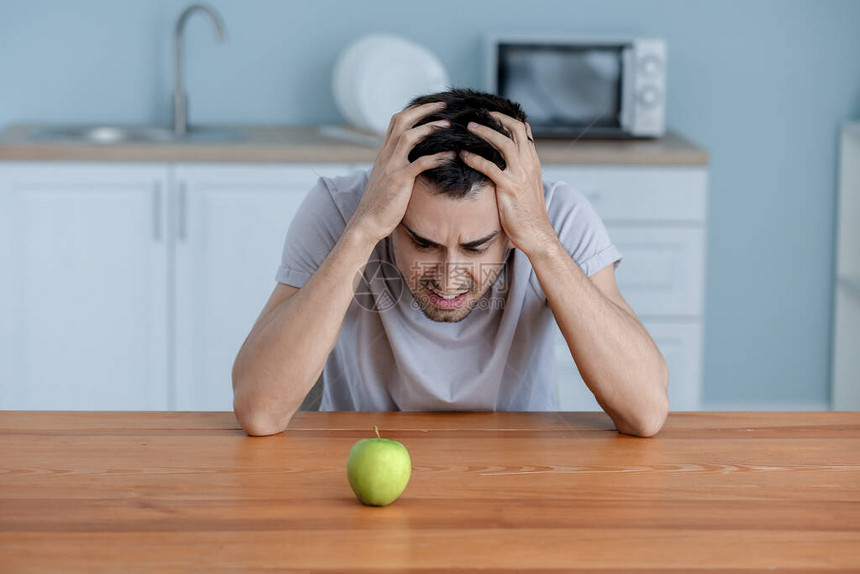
636,194
846,342
231,225
663,270
681,345
83,260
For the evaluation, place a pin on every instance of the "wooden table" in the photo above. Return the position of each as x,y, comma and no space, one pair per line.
180,491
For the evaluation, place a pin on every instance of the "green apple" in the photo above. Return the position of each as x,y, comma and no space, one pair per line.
378,470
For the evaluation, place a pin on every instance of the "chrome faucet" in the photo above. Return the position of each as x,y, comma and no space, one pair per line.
180,102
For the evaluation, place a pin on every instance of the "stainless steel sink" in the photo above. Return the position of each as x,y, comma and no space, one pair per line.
117,134
180,132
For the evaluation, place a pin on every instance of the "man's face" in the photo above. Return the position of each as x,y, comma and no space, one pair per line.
449,247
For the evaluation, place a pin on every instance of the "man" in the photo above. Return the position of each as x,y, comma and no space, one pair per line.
430,282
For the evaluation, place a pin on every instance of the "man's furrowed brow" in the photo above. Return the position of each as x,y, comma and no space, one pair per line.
466,245
479,242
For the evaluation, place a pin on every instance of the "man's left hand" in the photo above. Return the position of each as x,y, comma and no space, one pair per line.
519,188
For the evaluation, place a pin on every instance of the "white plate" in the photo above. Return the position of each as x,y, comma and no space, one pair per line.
344,75
378,75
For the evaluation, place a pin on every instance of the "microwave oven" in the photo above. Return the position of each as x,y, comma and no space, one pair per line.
581,87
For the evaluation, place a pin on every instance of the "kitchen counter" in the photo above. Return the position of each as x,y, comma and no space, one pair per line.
298,143
544,492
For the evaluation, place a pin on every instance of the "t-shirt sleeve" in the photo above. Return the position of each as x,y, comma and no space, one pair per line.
311,235
580,230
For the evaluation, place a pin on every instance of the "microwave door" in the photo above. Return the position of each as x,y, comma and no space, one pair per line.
567,91
592,92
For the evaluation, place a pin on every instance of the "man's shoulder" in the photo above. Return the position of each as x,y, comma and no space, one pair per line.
346,190
579,226
562,200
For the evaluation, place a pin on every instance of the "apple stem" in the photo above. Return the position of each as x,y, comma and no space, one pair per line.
377,432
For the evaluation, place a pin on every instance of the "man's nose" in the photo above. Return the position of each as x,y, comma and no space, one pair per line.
454,274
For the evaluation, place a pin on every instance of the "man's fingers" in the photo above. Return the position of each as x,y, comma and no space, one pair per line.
516,127
483,165
411,137
426,162
404,120
498,140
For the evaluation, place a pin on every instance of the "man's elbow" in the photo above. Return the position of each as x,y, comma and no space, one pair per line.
658,415
650,423
653,424
645,429
254,420
653,427
255,425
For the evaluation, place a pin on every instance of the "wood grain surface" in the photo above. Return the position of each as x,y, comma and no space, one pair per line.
501,492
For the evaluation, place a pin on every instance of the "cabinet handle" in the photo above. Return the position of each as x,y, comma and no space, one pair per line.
156,211
182,208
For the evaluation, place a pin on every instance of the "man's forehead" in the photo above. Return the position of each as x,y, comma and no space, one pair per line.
481,191
430,213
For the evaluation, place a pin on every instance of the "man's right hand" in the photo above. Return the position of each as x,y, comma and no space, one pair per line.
389,188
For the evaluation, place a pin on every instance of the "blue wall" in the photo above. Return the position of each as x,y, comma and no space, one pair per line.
763,85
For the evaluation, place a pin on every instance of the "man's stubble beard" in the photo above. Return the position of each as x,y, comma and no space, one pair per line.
444,317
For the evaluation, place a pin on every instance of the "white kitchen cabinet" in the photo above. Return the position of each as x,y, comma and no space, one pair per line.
656,216
681,345
130,286
83,294
133,286
231,221
662,273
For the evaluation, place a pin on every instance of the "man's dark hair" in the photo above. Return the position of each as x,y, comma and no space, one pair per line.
463,105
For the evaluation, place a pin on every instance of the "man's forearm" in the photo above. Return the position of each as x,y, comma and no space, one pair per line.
617,358
285,354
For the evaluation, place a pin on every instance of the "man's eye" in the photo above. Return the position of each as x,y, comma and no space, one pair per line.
427,247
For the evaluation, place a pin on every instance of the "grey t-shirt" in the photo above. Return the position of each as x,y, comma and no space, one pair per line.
390,357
